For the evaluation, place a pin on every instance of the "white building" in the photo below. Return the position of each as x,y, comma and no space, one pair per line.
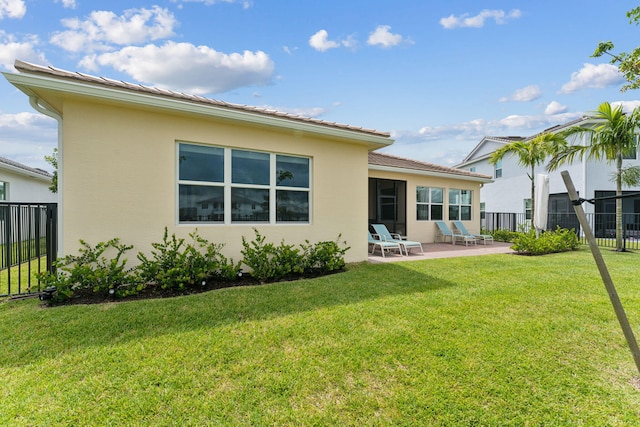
21,183
510,191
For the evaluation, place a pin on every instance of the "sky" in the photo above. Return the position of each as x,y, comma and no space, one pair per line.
438,75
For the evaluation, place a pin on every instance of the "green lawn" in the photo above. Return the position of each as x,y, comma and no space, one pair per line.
18,276
494,340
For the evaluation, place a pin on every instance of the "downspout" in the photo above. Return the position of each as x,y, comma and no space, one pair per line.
42,107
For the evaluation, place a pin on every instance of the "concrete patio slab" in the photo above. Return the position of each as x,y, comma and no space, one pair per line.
445,250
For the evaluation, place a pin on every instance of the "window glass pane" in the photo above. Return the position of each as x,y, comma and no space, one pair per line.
3,191
454,212
250,205
422,212
292,171
454,197
437,195
292,206
465,213
437,212
199,163
201,203
422,194
248,167
465,197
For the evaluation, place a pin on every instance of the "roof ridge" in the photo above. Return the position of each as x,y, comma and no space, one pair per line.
26,67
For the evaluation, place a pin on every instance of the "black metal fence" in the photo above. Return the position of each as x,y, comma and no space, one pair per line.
602,225
28,245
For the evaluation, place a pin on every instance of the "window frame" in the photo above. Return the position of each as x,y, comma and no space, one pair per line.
429,203
497,169
459,205
228,186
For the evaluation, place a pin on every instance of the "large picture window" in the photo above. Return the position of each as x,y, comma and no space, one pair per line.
429,204
460,202
224,185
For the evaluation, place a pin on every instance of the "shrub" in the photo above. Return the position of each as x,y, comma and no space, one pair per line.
270,262
503,235
323,257
560,240
175,264
92,270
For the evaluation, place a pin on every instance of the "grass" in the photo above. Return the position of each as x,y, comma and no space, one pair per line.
22,271
492,340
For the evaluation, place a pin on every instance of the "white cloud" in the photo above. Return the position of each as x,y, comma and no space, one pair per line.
320,41
627,106
246,4
477,21
188,68
555,107
103,29
27,137
382,36
12,49
526,94
593,76
12,8
69,4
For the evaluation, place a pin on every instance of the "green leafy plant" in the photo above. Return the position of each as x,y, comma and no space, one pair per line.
503,235
324,257
176,264
560,240
270,262
92,269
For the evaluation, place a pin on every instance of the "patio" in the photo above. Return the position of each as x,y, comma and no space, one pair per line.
444,250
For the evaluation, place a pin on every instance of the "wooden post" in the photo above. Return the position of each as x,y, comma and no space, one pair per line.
604,273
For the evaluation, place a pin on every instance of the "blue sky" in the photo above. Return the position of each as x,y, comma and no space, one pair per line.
438,74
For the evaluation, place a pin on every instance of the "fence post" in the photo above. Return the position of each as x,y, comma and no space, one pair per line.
52,236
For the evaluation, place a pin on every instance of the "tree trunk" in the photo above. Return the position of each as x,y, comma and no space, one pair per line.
619,229
533,194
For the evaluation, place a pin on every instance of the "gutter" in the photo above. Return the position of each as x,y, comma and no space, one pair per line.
42,107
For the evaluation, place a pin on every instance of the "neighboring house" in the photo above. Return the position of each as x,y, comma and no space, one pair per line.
408,196
135,159
510,192
21,183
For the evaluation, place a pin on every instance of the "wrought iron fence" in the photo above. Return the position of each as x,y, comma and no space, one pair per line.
602,225
28,245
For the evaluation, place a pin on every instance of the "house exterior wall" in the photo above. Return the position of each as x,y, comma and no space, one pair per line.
425,231
24,188
120,179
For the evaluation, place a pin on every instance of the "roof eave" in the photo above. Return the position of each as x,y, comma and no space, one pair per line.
25,82
430,173
26,172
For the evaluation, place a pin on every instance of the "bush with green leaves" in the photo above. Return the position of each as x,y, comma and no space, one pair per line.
176,264
323,257
93,270
269,262
559,240
503,235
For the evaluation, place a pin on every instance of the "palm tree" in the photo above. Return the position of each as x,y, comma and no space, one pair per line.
531,153
612,137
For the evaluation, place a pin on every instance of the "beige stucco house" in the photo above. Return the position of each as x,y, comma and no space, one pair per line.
135,159
408,196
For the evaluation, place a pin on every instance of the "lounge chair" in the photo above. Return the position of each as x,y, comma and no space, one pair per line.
384,246
444,231
382,231
463,230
